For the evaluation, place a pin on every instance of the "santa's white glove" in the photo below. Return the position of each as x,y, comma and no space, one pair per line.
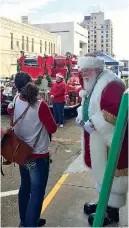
88,128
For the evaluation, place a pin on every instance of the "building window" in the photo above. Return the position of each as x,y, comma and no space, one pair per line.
102,50
106,45
88,37
101,45
94,46
80,45
106,35
106,50
88,50
106,40
32,44
22,42
101,26
45,46
11,41
40,46
101,31
17,43
94,27
94,32
94,36
88,32
54,49
27,44
102,41
94,41
59,49
49,49
101,37
106,31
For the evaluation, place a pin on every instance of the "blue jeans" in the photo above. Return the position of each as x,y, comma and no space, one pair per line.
58,112
34,177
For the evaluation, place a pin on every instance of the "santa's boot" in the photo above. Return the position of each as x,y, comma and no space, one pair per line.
111,216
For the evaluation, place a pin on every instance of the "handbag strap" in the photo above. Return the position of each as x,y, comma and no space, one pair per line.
38,136
16,121
21,117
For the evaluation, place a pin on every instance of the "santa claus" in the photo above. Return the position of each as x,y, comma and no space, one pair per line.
101,97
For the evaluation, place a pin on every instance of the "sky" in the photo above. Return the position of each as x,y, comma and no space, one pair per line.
43,11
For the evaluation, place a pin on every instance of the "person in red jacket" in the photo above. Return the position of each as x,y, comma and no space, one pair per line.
58,96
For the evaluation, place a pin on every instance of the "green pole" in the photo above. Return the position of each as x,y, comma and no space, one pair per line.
114,153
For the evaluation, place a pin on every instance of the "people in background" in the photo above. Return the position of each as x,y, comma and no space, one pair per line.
34,174
58,96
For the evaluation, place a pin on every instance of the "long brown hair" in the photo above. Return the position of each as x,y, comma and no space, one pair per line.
26,87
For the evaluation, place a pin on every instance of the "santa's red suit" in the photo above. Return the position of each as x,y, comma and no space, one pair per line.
102,110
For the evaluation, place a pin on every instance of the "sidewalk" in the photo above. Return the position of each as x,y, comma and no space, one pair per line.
66,209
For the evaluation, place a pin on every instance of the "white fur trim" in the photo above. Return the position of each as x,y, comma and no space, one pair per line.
98,152
116,199
90,62
95,113
79,111
106,129
82,93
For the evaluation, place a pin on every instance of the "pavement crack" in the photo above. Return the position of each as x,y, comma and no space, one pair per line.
78,186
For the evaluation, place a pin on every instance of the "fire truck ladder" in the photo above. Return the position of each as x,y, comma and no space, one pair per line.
114,153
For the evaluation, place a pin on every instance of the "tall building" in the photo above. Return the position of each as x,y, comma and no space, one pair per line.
15,37
74,38
100,33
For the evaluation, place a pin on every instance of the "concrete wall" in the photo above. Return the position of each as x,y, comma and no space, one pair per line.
71,34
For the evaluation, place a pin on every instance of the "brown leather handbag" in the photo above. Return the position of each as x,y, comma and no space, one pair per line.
14,149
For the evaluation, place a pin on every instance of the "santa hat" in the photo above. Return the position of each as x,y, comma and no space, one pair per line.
59,75
90,62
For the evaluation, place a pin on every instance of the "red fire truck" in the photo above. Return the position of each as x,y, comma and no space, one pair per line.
45,68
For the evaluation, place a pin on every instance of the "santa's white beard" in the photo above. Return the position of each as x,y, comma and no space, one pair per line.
89,83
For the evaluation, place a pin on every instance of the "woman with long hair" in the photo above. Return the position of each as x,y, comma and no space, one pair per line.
34,174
